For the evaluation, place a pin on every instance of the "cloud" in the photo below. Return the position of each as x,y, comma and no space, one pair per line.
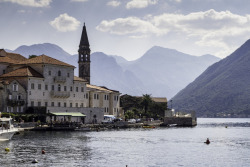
114,3
209,28
31,3
140,3
65,23
127,26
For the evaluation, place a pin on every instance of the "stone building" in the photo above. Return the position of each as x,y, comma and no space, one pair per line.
46,85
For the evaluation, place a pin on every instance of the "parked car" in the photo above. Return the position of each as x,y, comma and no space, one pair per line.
132,121
138,120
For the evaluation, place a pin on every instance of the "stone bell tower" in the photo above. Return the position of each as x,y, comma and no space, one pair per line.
84,56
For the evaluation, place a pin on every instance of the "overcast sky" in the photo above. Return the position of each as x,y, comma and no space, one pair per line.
128,28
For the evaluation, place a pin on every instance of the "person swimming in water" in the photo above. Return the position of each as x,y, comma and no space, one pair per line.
207,141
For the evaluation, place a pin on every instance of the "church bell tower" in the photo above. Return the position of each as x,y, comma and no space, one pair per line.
84,56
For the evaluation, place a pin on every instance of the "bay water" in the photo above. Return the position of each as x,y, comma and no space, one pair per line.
135,147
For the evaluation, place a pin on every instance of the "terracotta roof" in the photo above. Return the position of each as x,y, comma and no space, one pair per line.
79,79
22,72
159,99
15,56
100,88
7,60
43,59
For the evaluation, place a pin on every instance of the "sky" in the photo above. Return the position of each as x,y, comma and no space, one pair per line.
128,28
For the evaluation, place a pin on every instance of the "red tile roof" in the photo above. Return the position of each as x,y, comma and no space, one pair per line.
7,60
43,59
79,79
22,72
15,56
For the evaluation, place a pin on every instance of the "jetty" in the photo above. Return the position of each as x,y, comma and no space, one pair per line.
183,119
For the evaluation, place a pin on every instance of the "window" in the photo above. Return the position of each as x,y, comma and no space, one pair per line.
59,73
10,97
65,104
39,86
70,104
52,104
32,103
87,95
43,93
76,89
114,98
65,88
15,87
39,104
82,89
46,87
52,87
107,97
76,104
49,72
71,88
81,104
46,104
94,96
97,96
4,71
74,95
18,97
68,75
32,86
29,92
59,87
59,104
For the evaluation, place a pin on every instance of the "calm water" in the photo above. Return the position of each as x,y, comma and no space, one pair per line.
135,147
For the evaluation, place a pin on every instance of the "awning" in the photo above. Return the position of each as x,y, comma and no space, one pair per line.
73,114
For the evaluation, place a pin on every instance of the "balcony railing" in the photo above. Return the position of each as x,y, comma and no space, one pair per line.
58,94
13,103
60,79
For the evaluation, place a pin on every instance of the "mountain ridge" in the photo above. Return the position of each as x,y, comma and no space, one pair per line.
222,89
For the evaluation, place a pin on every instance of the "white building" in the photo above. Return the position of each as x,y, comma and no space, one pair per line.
46,85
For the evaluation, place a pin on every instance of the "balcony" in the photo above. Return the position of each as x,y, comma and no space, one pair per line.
13,103
60,79
57,94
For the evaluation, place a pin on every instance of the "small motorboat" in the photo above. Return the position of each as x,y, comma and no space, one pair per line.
7,130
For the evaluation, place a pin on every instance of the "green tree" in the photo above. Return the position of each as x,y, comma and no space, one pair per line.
32,56
146,102
129,114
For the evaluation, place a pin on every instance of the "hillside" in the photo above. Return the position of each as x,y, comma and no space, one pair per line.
222,90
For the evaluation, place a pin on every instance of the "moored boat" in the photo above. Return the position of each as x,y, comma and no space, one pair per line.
7,130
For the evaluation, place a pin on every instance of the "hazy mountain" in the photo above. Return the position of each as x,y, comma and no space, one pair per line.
106,72
48,49
223,88
164,71
159,72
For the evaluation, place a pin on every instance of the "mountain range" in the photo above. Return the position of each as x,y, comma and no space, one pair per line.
223,90
160,71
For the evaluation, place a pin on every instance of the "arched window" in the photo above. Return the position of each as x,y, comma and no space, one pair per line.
59,73
59,87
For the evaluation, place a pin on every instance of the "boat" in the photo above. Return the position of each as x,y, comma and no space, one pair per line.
148,126
7,129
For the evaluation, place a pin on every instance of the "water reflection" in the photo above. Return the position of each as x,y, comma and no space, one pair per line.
135,147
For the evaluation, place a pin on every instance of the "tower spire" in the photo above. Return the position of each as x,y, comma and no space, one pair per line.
84,56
